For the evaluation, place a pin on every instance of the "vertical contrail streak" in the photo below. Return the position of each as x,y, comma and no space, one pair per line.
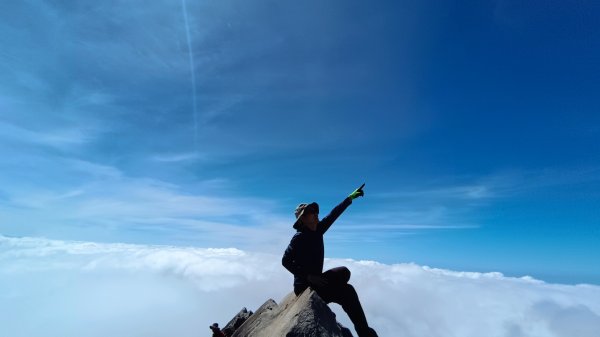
192,69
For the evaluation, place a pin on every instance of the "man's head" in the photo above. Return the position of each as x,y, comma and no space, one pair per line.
307,215
214,327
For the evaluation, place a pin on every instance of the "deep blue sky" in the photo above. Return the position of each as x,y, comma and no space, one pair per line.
476,126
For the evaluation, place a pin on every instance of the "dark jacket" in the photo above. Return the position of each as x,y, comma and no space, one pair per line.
305,253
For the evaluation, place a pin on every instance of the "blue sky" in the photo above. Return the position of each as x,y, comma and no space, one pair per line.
475,127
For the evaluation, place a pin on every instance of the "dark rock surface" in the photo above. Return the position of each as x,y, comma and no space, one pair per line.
297,316
237,321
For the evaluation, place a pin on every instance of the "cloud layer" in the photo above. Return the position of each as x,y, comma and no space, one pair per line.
61,288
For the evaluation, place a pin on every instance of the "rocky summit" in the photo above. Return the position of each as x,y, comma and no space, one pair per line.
237,321
306,315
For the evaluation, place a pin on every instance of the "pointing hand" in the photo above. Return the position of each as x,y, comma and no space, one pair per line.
358,192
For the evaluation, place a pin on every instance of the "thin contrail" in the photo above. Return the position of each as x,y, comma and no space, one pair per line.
192,69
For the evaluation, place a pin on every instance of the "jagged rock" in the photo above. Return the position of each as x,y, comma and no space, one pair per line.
236,321
297,316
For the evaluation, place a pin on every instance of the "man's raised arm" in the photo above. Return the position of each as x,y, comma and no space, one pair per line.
329,219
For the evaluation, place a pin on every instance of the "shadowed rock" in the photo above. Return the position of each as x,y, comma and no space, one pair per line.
297,316
236,321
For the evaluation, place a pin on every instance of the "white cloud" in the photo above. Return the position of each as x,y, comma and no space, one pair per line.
177,157
473,191
59,288
102,200
500,184
58,138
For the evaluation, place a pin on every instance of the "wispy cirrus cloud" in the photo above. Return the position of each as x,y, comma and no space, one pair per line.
59,138
135,83
176,157
500,184
476,191
103,197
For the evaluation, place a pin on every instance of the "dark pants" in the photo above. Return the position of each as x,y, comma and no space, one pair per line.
339,291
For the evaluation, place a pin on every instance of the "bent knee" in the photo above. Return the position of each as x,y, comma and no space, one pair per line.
345,274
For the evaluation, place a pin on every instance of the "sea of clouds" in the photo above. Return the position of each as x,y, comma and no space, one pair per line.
64,288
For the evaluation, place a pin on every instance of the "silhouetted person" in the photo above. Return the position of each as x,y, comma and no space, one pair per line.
304,258
216,331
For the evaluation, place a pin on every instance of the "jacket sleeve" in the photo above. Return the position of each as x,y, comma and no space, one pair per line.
290,261
328,220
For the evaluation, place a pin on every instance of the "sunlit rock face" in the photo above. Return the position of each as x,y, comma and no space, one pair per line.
296,316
